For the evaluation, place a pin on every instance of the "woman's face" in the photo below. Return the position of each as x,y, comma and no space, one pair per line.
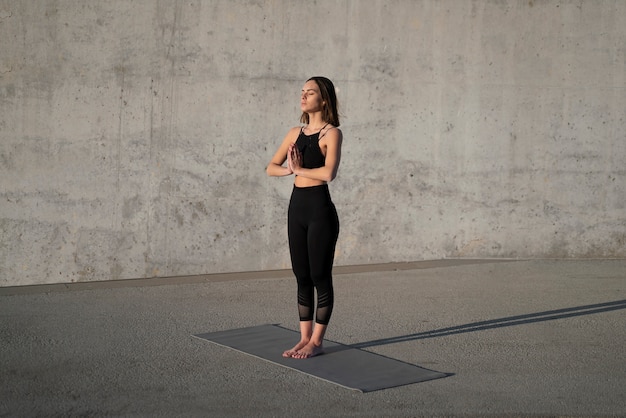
311,98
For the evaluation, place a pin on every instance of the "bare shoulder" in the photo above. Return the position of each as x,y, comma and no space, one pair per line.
290,137
293,133
332,133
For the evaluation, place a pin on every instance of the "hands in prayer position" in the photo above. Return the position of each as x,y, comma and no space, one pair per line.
294,158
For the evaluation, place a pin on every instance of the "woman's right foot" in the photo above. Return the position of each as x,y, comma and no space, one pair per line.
291,352
308,351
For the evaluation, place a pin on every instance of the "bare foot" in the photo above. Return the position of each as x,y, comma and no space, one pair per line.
308,351
293,351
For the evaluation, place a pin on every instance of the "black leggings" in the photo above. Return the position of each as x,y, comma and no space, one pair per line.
313,228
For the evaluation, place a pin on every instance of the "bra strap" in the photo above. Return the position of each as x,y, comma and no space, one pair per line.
324,132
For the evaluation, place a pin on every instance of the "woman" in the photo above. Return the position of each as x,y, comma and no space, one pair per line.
312,153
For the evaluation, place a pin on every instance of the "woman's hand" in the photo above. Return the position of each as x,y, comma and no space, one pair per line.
294,158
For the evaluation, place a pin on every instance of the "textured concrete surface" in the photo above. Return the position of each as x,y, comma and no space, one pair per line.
134,135
521,338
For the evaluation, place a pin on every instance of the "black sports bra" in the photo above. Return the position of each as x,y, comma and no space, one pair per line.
309,147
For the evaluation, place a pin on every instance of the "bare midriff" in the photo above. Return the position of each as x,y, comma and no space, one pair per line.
306,182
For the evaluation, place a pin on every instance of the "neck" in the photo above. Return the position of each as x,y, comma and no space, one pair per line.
316,121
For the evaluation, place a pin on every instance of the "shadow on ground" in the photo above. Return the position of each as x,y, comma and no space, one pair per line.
500,323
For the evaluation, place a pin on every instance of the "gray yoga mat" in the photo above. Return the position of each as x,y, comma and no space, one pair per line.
340,364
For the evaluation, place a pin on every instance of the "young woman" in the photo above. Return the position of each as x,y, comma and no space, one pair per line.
312,153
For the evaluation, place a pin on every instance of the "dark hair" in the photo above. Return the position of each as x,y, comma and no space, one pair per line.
330,113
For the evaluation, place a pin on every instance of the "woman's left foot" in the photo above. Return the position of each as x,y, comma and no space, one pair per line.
308,351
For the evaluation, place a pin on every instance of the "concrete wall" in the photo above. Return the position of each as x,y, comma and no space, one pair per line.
134,135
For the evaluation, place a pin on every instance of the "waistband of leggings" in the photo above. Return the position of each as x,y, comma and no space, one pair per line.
311,189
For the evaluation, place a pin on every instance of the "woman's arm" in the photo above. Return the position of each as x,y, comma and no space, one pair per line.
275,167
332,142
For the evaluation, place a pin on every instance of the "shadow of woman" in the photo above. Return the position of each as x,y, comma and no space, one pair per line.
500,323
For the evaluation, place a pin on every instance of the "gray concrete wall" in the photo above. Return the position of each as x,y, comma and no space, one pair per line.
134,135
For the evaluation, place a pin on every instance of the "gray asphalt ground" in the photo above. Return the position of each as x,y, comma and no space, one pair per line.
519,338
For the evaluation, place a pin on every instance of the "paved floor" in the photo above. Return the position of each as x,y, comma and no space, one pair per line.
521,338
